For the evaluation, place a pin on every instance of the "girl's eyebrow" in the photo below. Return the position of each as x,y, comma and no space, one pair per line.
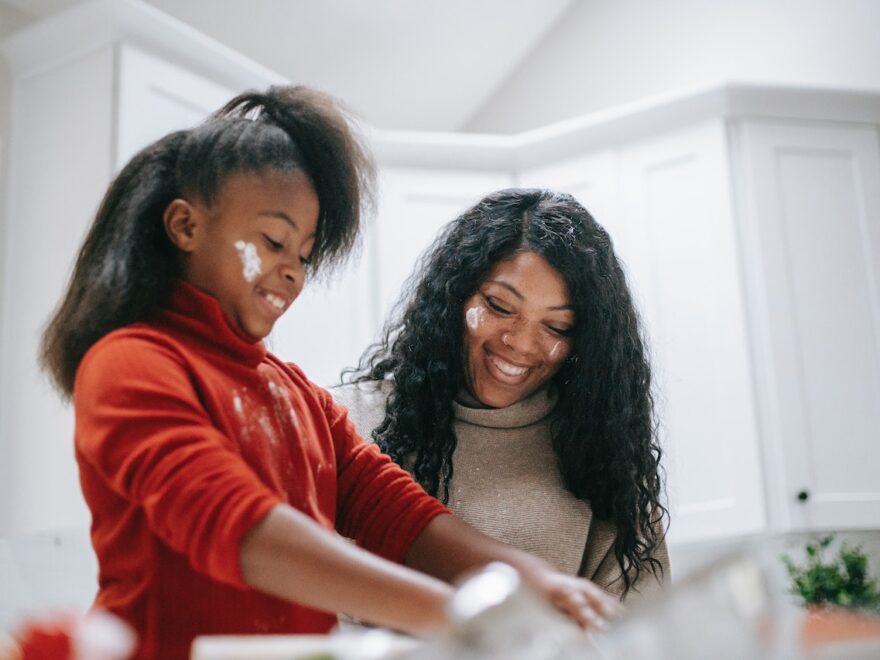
513,290
282,216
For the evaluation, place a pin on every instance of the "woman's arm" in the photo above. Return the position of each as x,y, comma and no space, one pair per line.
290,556
448,547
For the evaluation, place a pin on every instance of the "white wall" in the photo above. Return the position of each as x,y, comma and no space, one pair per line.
10,20
604,53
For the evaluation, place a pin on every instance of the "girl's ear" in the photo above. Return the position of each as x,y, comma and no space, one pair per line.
181,221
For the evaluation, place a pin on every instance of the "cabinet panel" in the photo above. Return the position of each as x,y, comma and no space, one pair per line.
676,205
156,98
75,124
592,180
414,205
331,324
814,197
57,177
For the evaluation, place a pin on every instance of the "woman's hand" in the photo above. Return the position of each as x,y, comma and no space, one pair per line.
579,599
448,548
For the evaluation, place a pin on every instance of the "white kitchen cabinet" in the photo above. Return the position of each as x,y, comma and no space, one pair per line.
676,199
330,325
90,88
810,221
748,221
156,97
592,180
666,203
747,218
331,322
415,204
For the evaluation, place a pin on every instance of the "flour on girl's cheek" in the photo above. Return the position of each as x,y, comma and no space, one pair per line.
250,260
555,350
474,317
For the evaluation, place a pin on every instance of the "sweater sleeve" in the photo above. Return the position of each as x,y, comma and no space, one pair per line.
378,503
141,428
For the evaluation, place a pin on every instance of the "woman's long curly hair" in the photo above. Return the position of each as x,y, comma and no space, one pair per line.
604,431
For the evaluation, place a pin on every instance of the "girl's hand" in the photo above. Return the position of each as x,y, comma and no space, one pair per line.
579,599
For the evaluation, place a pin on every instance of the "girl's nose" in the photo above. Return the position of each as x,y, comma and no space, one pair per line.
293,272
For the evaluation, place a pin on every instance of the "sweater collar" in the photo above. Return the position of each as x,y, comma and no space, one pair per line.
199,315
530,410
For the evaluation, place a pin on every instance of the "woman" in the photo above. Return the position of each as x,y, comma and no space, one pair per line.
513,383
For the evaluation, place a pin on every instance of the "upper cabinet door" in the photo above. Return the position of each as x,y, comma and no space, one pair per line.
811,196
676,205
414,205
157,97
592,180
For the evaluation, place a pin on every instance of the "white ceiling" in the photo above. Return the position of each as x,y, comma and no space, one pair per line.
400,64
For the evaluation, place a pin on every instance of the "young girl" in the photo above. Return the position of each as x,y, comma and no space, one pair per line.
217,475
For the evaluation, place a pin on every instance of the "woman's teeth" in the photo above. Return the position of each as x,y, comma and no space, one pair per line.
507,368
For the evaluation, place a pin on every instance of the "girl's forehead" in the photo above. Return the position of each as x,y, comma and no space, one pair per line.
268,190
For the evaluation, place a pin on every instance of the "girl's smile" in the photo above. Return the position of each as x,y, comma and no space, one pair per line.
277,301
250,247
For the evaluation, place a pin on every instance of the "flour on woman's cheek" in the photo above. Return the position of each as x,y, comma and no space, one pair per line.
555,350
250,260
474,317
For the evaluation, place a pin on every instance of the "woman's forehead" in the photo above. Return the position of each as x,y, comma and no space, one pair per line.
530,278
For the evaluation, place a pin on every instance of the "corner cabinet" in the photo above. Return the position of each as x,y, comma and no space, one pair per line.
748,222
809,202
747,218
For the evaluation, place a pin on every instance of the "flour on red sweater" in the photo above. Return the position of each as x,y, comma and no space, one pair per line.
187,434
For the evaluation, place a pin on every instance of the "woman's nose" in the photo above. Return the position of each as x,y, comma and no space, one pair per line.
520,338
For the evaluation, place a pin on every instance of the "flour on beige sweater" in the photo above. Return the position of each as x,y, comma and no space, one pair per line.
506,483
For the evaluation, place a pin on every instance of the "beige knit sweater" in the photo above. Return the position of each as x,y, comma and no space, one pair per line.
506,484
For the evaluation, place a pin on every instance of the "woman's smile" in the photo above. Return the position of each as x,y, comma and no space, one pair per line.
516,330
504,370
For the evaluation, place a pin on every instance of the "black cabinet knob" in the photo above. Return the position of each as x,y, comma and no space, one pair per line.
803,495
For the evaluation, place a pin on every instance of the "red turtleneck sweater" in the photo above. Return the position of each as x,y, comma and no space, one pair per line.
187,434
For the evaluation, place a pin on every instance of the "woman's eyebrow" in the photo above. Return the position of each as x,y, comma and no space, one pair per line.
514,291
507,286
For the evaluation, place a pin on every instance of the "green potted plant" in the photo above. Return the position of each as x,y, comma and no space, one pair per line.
840,580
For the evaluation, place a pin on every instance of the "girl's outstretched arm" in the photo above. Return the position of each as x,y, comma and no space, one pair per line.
448,547
290,556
